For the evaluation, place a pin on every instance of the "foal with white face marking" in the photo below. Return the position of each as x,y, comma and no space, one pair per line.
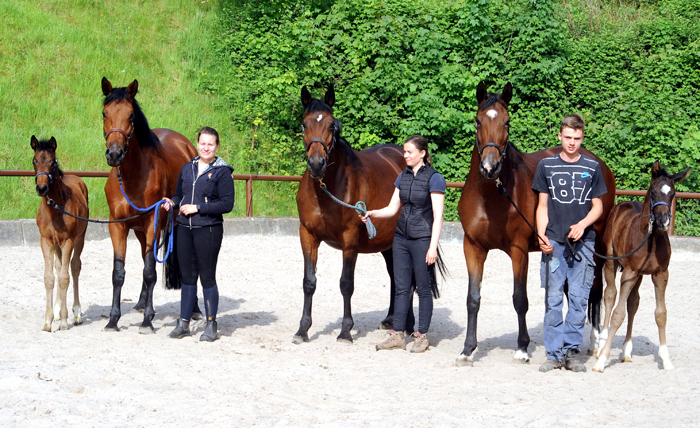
62,236
652,259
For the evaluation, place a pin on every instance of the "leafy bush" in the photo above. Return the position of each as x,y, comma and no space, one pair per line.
404,67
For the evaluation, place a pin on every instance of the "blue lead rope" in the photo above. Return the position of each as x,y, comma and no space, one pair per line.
155,224
360,208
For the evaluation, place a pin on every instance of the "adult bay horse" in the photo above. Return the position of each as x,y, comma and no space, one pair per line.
149,162
62,237
631,224
351,176
491,222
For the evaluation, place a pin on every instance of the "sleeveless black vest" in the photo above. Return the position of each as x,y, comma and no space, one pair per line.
416,220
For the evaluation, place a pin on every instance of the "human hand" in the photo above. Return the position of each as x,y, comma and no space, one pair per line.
576,231
545,245
367,215
431,256
168,204
188,209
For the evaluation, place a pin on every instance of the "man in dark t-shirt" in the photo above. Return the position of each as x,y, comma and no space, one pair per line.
570,186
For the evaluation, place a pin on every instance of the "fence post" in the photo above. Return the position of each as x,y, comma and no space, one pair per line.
249,197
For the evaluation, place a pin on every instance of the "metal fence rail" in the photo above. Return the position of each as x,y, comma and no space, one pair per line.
249,178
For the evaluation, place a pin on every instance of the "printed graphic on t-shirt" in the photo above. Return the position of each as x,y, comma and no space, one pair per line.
568,187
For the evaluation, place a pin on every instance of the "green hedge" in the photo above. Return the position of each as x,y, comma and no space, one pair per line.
402,67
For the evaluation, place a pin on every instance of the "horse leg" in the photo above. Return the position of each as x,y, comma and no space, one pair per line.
64,281
519,259
610,297
309,247
141,304
347,288
118,232
49,280
660,281
594,298
149,277
76,266
627,283
388,322
475,257
632,306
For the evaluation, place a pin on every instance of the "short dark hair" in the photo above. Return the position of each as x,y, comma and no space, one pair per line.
210,131
573,121
421,144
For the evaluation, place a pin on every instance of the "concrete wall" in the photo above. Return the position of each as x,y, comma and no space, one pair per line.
25,232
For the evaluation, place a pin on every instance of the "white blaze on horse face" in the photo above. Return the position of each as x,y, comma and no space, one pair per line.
318,119
665,189
492,114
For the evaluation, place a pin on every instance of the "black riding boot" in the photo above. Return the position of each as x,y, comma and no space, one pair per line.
211,305
182,329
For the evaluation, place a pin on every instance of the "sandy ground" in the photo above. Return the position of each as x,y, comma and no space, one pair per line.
254,375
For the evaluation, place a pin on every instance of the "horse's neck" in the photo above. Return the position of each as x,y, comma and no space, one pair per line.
339,164
645,215
57,191
132,168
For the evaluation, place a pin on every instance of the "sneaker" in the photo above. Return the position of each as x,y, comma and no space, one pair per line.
420,344
571,363
394,340
550,365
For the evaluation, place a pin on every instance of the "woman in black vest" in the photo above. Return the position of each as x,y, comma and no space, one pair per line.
420,195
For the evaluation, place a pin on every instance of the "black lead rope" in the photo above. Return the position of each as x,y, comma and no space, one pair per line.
569,245
60,209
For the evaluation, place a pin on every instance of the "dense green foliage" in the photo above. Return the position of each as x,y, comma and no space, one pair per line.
403,67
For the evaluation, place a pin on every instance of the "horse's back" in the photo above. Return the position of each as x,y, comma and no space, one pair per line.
175,145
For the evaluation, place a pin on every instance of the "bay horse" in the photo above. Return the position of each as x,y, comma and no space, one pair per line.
491,222
149,163
627,228
351,176
62,237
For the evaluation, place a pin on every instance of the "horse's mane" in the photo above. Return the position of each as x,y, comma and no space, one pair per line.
144,135
46,146
490,100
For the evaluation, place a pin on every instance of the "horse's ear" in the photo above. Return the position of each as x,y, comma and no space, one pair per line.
330,96
655,169
305,97
106,86
480,93
52,144
34,143
507,93
132,89
680,176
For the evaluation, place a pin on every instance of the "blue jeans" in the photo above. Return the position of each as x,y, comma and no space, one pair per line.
561,335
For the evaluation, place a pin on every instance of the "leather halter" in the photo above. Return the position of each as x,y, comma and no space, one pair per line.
318,140
121,131
501,153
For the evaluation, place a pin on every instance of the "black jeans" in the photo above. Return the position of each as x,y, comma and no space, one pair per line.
409,258
198,253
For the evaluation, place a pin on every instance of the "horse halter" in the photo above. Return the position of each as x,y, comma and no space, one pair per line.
320,141
51,176
121,131
501,153
654,205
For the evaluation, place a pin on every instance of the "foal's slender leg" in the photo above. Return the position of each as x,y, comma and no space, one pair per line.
347,288
76,266
475,257
660,281
627,283
141,304
64,281
610,297
519,259
118,233
632,306
309,247
49,280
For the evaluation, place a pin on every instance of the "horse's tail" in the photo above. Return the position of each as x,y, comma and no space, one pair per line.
442,268
171,268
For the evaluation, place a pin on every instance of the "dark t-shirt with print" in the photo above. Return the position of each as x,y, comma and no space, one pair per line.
571,186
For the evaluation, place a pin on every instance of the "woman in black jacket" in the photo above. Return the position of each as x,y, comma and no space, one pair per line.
204,193
420,195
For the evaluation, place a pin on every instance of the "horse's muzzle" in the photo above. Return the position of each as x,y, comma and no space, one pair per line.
317,167
115,157
42,190
488,171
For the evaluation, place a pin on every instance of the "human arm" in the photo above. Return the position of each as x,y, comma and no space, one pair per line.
386,212
438,200
594,214
542,220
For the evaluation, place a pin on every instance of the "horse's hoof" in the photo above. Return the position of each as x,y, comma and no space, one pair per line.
298,339
344,340
464,361
77,321
598,369
47,327
521,357
627,360
112,328
146,329
520,361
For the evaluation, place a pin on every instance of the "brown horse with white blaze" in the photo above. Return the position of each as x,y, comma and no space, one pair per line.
626,229
62,236
149,162
491,222
351,176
